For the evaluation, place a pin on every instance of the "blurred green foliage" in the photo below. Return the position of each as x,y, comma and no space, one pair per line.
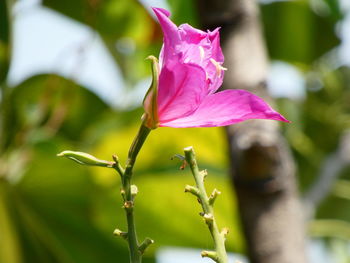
301,35
4,41
52,210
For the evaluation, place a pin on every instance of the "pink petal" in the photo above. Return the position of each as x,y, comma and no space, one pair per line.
182,87
191,35
171,35
190,45
195,41
214,37
216,54
215,78
161,10
170,30
226,108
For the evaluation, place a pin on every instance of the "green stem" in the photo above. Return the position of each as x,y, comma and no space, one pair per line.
128,190
220,255
135,253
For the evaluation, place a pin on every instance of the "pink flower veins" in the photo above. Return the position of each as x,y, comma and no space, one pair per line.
184,91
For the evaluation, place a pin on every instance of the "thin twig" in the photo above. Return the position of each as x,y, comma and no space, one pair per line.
219,237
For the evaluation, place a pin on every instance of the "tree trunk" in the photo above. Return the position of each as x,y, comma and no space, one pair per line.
262,168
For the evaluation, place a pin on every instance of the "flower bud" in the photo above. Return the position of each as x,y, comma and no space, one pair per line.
85,159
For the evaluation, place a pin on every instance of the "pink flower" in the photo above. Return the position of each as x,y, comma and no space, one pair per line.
183,91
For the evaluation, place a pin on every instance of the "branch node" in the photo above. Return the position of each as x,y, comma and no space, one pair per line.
224,232
134,190
191,189
203,174
145,244
213,196
210,254
208,218
119,233
115,158
117,166
128,205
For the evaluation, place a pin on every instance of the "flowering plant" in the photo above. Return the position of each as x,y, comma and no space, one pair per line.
185,83
183,93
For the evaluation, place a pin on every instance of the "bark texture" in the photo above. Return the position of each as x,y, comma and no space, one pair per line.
263,171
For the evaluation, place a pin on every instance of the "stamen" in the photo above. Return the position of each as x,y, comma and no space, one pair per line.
219,68
201,53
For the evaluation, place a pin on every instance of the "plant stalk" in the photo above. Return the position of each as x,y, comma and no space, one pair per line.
220,255
135,253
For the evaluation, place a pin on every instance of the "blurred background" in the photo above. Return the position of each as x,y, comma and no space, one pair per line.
73,75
